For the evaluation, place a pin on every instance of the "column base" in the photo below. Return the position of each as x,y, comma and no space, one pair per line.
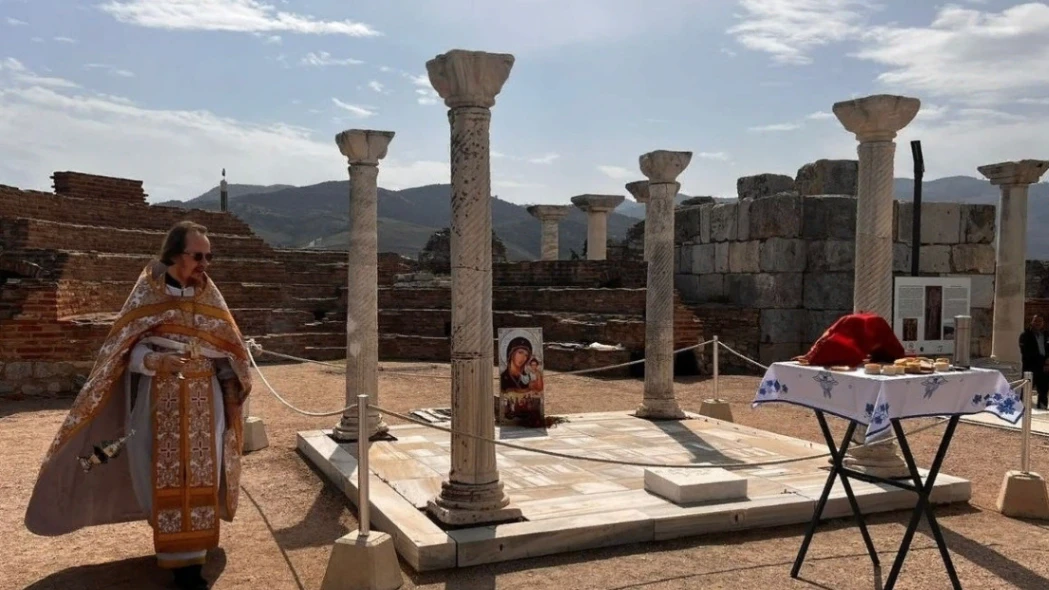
346,430
718,409
660,409
463,504
1023,495
363,563
881,460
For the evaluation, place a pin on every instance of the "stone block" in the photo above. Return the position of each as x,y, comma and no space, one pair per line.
830,255
941,223
711,287
688,486
832,290
743,220
717,409
763,185
32,389
363,563
783,325
687,224
43,370
901,258
778,216
700,200
704,223
1024,495
721,251
981,291
973,258
828,177
935,259
978,222
683,259
829,217
744,256
765,290
702,259
687,285
723,222
774,353
782,255
818,322
18,371
254,434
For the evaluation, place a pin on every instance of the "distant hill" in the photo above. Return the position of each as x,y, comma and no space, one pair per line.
632,208
316,216
210,199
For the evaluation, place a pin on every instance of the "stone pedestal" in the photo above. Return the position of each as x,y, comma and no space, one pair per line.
875,121
690,486
468,81
639,190
718,409
597,208
254,430
662,168
363,149
363,563
550,216
1013,180
1023,495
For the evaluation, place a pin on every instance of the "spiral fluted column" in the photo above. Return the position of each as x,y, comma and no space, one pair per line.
468,81
662,168
363,149
1013,180
875,121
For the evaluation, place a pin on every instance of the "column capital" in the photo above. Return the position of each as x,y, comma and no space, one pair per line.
1014,173
597,203
664,165
639,190
549,212
469,78
878,117
364,146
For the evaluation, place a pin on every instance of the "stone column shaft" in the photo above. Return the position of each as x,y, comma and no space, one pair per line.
468,81
661,167
363,149
551,239
596,235
639,189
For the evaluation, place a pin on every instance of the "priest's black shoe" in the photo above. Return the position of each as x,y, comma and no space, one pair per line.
189,578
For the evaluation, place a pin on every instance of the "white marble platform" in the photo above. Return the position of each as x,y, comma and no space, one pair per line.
572,505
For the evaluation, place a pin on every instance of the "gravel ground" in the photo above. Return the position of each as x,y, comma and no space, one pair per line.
289,516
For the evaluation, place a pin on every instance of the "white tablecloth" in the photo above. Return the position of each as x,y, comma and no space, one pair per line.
872,400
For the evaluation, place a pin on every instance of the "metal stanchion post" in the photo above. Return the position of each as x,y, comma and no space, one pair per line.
717,379
363,501
1025,452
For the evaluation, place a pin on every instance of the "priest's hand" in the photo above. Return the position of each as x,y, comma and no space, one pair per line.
166,363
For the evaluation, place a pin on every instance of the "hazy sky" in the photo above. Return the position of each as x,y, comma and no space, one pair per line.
171,91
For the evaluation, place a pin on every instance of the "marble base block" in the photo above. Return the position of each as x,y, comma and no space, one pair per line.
1023,495
363,563
718,409
687,486
254,434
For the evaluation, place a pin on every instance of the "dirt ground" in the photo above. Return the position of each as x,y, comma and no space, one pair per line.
289,516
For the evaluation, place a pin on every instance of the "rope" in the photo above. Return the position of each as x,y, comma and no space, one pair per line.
251,357
635,463
742,356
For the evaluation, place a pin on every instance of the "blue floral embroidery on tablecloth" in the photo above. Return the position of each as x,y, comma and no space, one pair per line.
826,381
1003,404
881,414
770,387
931,384
868,413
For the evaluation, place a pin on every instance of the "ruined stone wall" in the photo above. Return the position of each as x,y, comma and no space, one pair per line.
578,273
792,258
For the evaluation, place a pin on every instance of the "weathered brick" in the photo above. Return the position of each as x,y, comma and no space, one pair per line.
723,222
941,223
973,258
828,177
775,217
826,291
782,255
744,256
763,185
830,217
979,223
830,255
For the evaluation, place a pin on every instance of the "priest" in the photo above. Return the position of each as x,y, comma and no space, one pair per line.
169,382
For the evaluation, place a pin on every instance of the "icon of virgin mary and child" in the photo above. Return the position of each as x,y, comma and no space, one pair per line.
523,373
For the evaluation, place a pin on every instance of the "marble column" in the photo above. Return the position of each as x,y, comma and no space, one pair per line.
639,190
469,81
875,121
662,168
597,208
550,216
1013,180
363,149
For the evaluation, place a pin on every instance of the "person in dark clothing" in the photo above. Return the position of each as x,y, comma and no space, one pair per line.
1033,343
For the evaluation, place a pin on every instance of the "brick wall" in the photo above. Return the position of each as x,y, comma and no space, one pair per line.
738,327
578,273
90,186
1036,284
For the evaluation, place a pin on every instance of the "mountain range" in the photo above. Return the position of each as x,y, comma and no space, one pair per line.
315,216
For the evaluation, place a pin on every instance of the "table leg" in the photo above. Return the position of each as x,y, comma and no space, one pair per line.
924,506
837,457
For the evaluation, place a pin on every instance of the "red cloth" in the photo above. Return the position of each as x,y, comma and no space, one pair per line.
852,339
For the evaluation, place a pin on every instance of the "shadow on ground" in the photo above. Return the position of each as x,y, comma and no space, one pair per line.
136,573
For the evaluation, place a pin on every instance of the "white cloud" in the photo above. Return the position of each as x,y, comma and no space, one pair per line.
273,40
718,156
1039,101
516,184
111,69
819,116
775,127
14,22
787,29
47,125
362,112
545,158
618,172
427,96
495,155
965,54
245,16
69,40
322,59
375,85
